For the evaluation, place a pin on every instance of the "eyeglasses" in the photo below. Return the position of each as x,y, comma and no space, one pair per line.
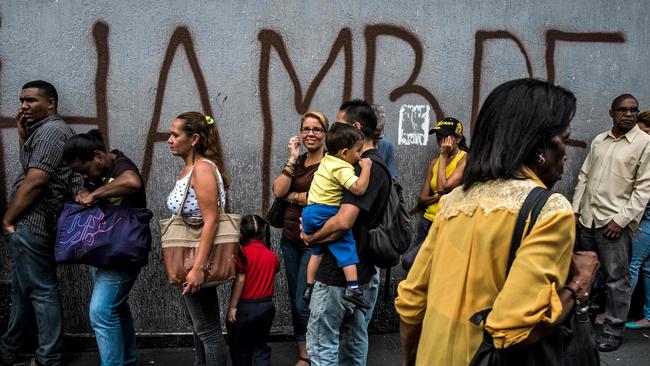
625,110
316,131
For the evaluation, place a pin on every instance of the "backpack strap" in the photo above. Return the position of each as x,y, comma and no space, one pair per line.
382,164
531,207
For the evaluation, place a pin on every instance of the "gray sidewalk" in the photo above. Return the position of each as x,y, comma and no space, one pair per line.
384,350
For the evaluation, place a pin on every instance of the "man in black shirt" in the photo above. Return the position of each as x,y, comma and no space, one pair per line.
44,183
337,331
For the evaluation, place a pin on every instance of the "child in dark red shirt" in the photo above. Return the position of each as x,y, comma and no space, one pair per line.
251,309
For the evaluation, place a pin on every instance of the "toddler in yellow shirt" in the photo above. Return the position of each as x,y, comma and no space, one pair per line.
335,174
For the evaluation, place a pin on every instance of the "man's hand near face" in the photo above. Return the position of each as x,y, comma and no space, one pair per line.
22,129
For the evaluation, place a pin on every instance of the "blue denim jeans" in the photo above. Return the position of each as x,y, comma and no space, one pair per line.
209,344
34,293
337,332
111,317
372,293
295,267
344,249
640,264
423,227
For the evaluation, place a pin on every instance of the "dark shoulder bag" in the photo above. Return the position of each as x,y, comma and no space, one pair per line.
571,343
275,214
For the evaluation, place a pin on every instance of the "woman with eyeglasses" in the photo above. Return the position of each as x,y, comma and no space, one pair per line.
292,185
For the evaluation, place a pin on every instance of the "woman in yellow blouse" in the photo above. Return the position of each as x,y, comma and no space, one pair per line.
445,172
519,142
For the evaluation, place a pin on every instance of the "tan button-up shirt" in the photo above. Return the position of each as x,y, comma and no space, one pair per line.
614,181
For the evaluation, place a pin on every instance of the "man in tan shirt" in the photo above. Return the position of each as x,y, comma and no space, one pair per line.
609,200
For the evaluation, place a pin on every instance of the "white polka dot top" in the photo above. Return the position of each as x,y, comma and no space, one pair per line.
191,207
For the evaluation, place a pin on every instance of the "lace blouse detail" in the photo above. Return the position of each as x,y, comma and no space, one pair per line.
499,194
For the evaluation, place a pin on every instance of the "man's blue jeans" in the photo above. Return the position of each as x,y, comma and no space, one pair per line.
111,317
371,294
337,333
640,264
34,292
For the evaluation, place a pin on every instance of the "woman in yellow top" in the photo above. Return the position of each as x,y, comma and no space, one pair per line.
519,142
445,172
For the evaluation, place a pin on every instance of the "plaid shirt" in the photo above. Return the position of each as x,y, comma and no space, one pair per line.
44,150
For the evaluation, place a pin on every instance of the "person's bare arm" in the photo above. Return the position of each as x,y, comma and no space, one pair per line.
335,227
444,184
28,191
237,288
282,182
583,272
204,182
125,183
409,334
359,187
297,198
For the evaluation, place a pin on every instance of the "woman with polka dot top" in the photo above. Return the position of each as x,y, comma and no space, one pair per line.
194,138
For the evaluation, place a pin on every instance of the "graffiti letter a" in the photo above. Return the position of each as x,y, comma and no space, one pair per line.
181,36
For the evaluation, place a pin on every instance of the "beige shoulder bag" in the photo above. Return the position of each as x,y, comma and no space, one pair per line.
180,238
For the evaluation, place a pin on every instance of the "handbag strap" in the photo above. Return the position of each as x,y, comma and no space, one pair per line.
532,207
185,192
222,211
189,184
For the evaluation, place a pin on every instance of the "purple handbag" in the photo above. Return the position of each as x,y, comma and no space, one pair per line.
107,236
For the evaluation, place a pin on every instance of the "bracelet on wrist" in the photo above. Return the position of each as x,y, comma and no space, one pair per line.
288,173
579,298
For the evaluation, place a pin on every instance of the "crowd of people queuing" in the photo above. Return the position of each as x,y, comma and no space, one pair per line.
334,193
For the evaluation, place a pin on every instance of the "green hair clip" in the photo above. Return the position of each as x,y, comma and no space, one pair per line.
209,120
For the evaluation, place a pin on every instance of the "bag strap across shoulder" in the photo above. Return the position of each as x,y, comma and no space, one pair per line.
217,175
189,184
531,207
185,192
383,165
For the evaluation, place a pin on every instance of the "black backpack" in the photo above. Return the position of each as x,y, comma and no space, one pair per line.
393,234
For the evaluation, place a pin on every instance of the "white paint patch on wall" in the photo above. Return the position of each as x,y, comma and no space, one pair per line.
413,125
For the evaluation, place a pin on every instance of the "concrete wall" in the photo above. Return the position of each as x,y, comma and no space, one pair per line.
128,67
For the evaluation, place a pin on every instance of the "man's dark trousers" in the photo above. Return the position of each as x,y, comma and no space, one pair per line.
614,256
